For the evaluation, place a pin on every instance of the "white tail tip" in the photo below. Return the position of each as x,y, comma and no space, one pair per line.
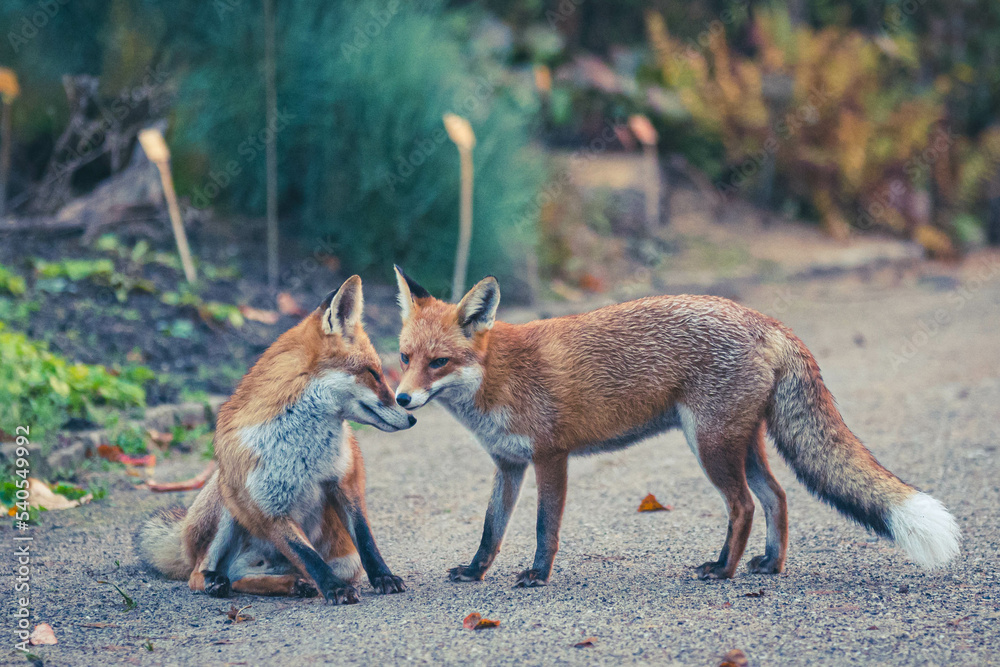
924,529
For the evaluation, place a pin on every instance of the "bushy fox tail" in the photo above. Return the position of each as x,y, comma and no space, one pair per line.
160,543
832,462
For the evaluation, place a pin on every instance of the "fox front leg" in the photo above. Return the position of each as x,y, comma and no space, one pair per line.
506,489
353,515
551,477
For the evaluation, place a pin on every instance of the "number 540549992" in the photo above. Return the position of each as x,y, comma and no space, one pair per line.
22,470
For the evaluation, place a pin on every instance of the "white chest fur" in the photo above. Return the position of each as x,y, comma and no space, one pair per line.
297,451
491,429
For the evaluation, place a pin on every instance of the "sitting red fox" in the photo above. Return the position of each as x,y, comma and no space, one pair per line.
288,499
543,391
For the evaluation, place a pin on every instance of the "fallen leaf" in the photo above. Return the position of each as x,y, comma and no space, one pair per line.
735,658
110,452
97,625
873,627
954,623
475,621
258,315
237,616
147,461
586,643
187,485
592,283
40,495
754,594
42,634
727,605
651,504
287,305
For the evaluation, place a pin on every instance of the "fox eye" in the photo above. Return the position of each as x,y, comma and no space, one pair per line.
374,374
439,362
405,358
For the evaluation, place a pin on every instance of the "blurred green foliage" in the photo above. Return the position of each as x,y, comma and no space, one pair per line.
43,390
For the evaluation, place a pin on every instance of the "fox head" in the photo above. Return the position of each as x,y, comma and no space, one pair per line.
345,363
442,345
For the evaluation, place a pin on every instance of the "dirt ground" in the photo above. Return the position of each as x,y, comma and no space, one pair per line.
914,361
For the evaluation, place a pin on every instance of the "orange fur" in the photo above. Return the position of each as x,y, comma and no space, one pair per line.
539,392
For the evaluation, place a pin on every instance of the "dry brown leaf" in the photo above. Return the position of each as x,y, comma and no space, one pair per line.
40,495
755,594
237,616
475,621
651,504
589,642
735,658
258,315
110,452
42,634
187,485
98,625
287,305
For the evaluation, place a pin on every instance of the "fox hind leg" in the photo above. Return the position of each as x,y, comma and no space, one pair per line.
772,499
723,461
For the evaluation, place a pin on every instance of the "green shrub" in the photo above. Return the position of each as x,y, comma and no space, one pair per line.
366,169
41,389
11,282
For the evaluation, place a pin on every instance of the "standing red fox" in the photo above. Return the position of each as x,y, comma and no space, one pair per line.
540,392
288,500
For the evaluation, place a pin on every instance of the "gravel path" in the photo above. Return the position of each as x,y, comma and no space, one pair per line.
924,397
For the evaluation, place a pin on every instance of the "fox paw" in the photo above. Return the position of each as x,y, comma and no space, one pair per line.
217,585
388,583
342,595
713,570
765,565
464,573
304,589
531,579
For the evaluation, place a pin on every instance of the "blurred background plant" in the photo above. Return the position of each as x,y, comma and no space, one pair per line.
860,118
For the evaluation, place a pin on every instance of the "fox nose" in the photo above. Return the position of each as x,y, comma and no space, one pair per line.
413,420
404,400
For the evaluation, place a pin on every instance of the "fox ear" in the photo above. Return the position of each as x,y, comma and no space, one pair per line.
478,309
408,291
342,309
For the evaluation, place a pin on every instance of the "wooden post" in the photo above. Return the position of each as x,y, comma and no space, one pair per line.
460,132
156,150
9,90
270,148
648,137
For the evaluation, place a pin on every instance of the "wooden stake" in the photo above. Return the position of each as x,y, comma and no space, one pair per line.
9,90
648,137
460,132
156,150
270,148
